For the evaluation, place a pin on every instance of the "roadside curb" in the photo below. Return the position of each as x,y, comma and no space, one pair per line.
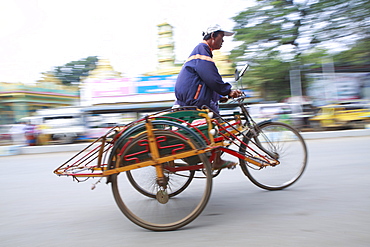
56,148
18,149
335,134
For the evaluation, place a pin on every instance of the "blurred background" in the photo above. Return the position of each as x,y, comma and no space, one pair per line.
71,70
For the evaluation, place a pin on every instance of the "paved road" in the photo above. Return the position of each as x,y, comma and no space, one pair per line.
329,206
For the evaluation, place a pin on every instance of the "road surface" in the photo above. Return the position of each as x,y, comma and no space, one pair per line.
328,206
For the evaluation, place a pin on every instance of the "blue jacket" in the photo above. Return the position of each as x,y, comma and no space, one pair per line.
199,82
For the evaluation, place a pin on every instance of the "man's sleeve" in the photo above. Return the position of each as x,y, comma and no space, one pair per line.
208,72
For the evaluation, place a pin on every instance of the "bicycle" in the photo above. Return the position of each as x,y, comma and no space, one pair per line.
167,159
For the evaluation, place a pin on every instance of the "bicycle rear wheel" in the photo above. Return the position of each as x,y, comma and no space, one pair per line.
161,212
284,141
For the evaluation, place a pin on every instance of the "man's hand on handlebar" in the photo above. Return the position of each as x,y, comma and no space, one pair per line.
235,93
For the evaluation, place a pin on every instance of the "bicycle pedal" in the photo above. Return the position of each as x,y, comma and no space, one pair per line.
231,167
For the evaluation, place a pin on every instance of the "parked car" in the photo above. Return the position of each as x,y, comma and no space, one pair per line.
341,115
61,125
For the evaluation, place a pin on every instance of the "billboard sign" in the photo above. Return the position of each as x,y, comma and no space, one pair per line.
112,87
156,84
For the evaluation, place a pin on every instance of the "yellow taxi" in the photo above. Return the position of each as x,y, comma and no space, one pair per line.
341,115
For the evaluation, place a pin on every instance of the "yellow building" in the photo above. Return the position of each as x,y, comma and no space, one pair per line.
18,100
166,55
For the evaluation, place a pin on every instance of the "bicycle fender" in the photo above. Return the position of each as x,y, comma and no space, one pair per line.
264,122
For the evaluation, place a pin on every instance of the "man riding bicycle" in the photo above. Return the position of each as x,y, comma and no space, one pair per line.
199,82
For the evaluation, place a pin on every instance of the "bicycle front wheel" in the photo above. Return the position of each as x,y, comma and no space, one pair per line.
287,145
152,205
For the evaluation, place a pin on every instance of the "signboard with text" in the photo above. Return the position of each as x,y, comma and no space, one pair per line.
156,84
112,87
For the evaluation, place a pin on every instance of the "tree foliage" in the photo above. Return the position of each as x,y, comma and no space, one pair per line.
278,35
73,72
358,55
344,21
265,28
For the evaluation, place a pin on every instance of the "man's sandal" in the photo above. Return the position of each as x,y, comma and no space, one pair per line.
227,164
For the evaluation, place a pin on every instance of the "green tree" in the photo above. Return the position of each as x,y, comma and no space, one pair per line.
358,55
269,40
275,33
341,21
73,72
271,80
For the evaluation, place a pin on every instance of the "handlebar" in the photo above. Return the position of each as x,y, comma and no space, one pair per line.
239,99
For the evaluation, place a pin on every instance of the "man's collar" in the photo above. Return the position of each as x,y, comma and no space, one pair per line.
205,42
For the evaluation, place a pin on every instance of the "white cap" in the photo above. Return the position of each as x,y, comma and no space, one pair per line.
215,28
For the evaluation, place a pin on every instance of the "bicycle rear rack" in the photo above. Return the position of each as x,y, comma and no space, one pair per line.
89,162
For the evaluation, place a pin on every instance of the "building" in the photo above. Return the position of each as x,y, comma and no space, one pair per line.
167,60
18,100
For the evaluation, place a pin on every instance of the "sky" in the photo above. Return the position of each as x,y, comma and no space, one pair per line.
37,35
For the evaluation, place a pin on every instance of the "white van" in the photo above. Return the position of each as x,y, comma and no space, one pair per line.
64,125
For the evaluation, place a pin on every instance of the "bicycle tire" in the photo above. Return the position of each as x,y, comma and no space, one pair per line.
290,146
148,212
